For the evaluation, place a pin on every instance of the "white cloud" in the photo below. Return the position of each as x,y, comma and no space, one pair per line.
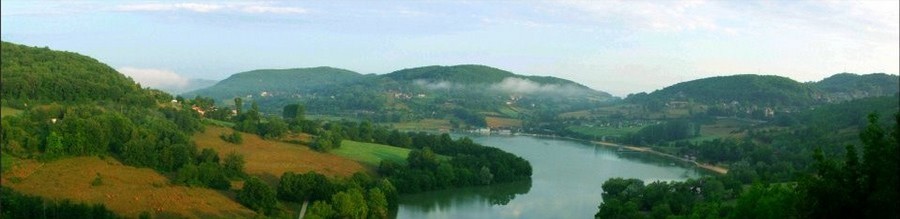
434,85
155,78
525,86
243,7
274,10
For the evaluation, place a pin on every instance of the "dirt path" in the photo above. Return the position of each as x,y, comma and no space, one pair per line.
710,167
303,209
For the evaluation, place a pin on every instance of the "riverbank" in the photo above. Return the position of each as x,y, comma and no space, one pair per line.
710,167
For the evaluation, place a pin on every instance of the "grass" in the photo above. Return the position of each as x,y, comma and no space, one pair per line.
509,111
270,159
722,128
370,153
604,131
125,190
218,122
6,111
494,122
425,124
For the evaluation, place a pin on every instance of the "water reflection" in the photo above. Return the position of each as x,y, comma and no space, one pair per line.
566,181
500,194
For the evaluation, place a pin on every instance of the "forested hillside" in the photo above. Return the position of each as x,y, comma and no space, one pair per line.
763,90
41,74
848,86
277,82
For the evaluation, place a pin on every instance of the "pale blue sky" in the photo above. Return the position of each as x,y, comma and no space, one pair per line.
616,46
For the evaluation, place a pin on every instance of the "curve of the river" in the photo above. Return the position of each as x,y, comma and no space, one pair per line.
565,183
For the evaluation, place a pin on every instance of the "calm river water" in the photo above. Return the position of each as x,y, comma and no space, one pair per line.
565,183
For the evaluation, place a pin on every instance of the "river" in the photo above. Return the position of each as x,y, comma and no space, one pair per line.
566,181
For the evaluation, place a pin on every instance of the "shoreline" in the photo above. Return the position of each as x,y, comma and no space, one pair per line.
710,167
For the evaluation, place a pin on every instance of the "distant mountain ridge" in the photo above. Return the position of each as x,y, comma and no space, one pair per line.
770,90
277,80
849,86
421,92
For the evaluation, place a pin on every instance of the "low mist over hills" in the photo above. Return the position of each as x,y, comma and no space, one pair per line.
424,92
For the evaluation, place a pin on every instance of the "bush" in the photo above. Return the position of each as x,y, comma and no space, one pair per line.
234,138
258,196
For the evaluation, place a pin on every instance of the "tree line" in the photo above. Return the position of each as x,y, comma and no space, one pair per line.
859,185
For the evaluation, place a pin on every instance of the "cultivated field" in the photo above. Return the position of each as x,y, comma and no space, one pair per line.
270,159
370,153
124,189
495,122
423,125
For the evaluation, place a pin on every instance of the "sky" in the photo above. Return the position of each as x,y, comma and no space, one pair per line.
620,47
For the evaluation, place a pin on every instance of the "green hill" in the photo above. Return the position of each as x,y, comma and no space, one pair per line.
277,81
763,90
41,74
464,92
848,86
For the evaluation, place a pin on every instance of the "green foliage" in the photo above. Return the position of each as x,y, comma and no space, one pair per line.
320,210
234,165
235,137
54,145
350,204
17,205
300,187
377,203
668,131
326,141
207,174
761,90
294,112
40,74
861,185
277,80
98,180
359,196
878,84
857,188
258,196
472,164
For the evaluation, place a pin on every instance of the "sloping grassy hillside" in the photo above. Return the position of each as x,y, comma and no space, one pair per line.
124,189
370,153
270,159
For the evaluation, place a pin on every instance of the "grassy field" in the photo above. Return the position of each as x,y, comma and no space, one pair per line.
509,111
369,153
125,190
6,111
603,131
218,122
423,125
494,122
722,128
270,159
